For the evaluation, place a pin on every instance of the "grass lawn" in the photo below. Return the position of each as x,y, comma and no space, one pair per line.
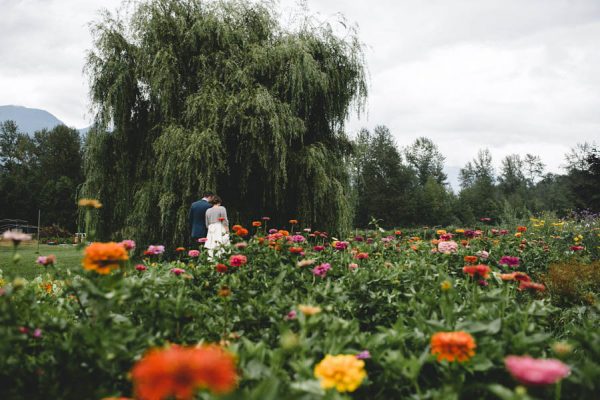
67,256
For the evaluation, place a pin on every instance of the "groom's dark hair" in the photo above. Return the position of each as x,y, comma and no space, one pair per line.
208,193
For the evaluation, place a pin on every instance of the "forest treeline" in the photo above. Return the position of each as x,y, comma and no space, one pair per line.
397,186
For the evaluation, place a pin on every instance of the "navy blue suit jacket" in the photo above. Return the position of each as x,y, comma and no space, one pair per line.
198,218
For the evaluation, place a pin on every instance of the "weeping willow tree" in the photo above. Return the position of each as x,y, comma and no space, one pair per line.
195,95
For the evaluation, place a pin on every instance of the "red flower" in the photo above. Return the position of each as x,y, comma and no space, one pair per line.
178,372
237,260
242,232
538,287
362,256
296,250
577,248
521,229
221,268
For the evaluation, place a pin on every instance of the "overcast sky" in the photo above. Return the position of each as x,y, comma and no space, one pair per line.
515,76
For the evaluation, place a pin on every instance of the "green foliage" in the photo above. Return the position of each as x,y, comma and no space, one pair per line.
94,328
218,96
43,172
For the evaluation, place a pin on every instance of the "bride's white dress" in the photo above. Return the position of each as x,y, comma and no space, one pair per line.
217,237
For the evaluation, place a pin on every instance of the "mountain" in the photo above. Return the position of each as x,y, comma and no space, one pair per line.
29,120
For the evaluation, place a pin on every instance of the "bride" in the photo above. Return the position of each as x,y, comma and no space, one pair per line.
218,227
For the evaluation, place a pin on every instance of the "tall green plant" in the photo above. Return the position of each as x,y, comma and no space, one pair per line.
196,95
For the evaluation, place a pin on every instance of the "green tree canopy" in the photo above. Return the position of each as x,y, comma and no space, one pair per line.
197,95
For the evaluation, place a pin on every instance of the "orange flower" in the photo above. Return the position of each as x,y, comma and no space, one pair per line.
532,286
236,227
464,242
293,221
242,232
507,277
481,270
179,371
521,229
435,242
453,346
104,257
284,233
180,249
470,259
296,250
256,224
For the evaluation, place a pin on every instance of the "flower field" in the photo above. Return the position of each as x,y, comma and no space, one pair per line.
506,312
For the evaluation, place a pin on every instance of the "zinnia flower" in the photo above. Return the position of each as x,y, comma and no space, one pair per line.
577,248
46,260
361,256
484,255
298,239
237,260
296,250
521,229
104,257
480,270
193,253
470,259
531,371
179,371
343,372
447,247
321,270
509,261
309,310
128,244
305,263
293,221
256,224
363,355
338,245
536,287
16,237
177,271
221,268
155,250
453,346
318,248
140,267
89,203
242,232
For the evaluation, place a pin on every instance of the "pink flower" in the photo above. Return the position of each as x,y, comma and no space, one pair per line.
363,355
531,371
353,266
128,244
321,270
37,333
155,249
193,253
298,239
46,260
140,267
291,315
448,247
240,245
272,231
484,255
177,271
318,248
16,236
446,236
577,248
341,245
202,240
237,260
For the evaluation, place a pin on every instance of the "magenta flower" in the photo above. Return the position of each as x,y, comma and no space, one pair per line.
128,244
298,239
509,261
321,270
266,218
370,240
531,371
37,333
341,245
237,260
141,267
446,236
155,249
194,253
177,271
363,355
577,248
359,239
272,231
318,248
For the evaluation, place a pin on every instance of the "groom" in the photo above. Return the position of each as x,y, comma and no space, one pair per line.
198,216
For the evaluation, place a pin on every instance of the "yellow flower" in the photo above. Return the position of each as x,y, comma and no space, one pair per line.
459,230
440,232
309,310
343,372
518,234
446,285
91,203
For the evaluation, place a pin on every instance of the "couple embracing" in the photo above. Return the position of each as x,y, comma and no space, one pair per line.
208,220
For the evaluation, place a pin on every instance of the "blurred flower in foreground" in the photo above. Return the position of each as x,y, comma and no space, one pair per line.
343,372
531,371
453,346
180,371
104,257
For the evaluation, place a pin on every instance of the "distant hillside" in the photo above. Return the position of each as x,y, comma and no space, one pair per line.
29,120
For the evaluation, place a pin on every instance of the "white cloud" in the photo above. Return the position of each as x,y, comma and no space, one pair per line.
514,76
